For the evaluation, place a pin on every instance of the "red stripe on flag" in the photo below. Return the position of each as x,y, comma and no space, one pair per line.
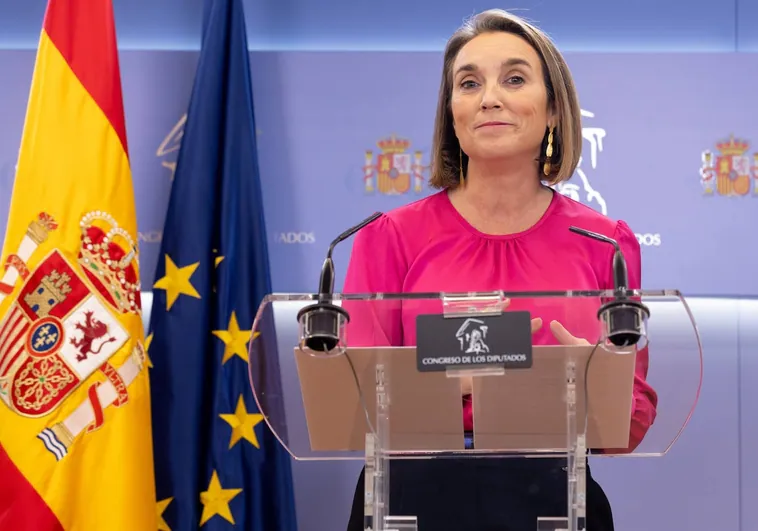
97,407
21,508
77,30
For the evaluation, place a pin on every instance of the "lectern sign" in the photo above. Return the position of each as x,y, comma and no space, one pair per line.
473,341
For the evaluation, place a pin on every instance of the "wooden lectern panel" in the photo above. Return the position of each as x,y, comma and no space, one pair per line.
520,410
526,409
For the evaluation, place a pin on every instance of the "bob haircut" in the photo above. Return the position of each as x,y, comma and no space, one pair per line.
446,164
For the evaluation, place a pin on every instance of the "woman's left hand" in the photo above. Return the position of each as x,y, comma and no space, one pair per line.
560,333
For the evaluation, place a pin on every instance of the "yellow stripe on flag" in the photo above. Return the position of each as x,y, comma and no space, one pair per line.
75,412
70,155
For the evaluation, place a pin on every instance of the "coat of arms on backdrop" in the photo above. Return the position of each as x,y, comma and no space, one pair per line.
733,172
395,170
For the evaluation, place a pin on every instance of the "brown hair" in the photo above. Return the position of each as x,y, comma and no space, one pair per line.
567,137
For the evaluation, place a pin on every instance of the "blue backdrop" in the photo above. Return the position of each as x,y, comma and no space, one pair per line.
321,118
579,25
660,83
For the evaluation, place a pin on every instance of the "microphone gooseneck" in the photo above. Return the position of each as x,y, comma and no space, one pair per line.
322,323
622,317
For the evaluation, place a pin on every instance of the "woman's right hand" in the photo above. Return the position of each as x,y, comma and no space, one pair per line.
467,382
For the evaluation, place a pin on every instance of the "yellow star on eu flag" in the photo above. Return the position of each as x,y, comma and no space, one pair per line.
148,340
160,508
217,257
177,282
243,424
234,339
216,500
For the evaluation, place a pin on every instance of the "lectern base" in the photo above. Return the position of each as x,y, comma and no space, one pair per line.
559,524
410,523
400,523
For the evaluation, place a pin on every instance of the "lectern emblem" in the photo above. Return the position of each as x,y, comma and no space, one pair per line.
471,336
444,341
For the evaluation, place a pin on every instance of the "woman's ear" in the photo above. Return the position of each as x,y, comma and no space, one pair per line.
552,115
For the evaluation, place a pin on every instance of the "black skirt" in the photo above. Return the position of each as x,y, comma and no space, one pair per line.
483,494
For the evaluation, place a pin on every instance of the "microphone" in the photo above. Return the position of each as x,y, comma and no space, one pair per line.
623,318
322,323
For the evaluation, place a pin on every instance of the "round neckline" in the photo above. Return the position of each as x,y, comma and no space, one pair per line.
476,232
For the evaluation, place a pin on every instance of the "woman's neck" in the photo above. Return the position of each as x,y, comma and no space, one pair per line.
497,201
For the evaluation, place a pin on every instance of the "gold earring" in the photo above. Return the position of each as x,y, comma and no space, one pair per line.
548,153
460,165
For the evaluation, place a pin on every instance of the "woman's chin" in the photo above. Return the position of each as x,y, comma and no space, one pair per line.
495,153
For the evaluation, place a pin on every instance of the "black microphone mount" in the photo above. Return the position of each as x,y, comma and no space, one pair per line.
322,324
623,318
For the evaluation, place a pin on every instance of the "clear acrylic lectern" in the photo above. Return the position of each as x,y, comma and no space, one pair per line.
380,377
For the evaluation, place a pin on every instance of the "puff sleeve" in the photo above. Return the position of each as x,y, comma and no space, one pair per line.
645,399
377,265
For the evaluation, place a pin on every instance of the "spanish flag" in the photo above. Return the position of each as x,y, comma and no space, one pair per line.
75,430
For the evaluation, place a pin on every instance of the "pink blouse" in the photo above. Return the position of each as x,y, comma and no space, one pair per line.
427,246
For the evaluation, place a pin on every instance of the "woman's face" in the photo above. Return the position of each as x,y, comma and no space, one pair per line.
499,100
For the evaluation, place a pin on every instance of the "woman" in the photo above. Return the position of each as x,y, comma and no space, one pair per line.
507,119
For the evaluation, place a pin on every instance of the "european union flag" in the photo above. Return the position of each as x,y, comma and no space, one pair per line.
217,464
